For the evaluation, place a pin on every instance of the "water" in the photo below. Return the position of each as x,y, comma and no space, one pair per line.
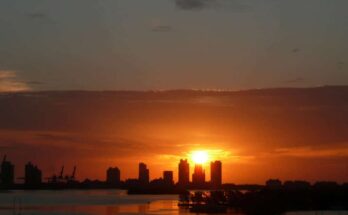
97,202
319,213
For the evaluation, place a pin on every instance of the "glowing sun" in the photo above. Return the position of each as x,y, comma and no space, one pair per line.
199,157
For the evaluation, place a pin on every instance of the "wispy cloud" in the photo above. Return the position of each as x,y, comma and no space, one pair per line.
233,5
162,28
159,26
37,15
193,4
296,50
10,82
311,152
295,80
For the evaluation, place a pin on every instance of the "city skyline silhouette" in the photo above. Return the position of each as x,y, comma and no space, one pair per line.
33,176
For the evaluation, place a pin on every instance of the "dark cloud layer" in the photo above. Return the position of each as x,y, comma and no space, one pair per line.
192,4
291,117
234,5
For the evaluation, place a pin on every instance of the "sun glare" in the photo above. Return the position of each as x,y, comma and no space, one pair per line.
199,157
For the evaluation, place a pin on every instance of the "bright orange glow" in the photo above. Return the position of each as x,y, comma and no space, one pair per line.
200,157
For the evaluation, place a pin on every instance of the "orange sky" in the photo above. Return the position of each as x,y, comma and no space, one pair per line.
289,134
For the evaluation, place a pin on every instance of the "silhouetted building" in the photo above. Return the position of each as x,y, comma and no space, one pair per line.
198,176
274,184
216,174
168,177
7,172
296,185
325,185
113,176
184,173
144,175
131,182
33,175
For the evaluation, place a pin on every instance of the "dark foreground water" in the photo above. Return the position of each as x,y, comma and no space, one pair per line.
96,202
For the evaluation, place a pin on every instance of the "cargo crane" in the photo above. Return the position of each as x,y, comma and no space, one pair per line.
56,179
61,173
3,161
71,178
61,178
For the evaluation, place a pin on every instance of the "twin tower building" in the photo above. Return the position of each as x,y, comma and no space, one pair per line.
198,176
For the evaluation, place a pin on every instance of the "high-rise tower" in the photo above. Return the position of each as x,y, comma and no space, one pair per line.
198,176
184,173
216,174
144,175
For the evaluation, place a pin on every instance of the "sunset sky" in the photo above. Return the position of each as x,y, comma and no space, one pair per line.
218,48
171,44
290,134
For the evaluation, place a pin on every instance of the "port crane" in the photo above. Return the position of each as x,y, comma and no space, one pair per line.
61,179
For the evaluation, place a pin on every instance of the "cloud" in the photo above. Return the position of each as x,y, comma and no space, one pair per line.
233,5
158,25
340,65
35,82
162,28
296,50
312,152
295,80
192,4
37,15
9,82
40,17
